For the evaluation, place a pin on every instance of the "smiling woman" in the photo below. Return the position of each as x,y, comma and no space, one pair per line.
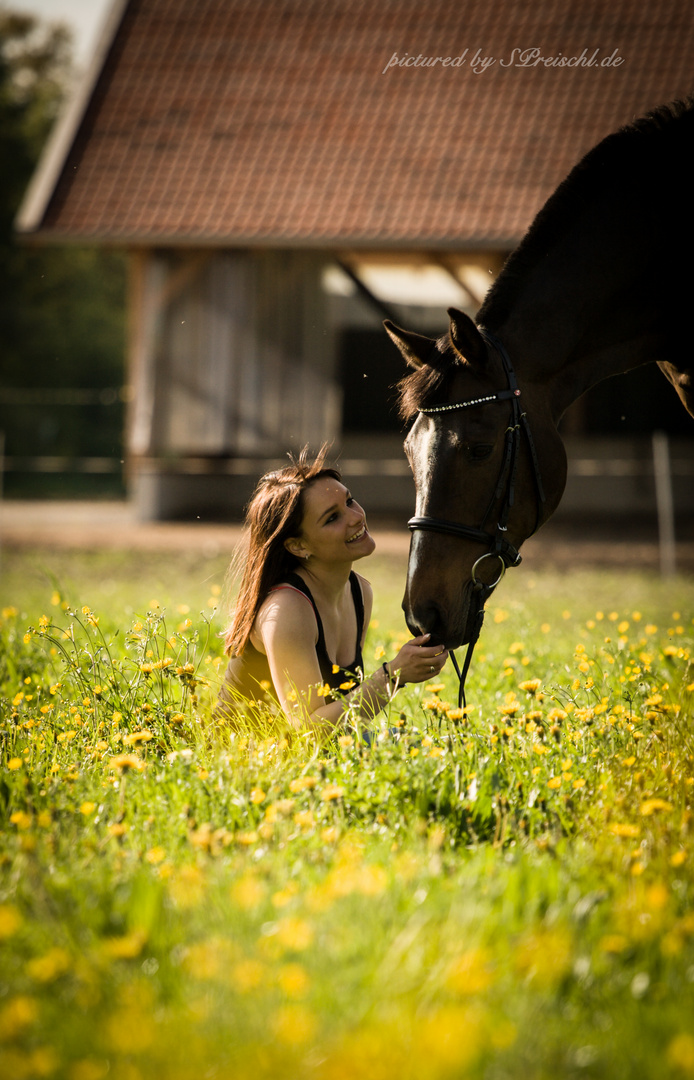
299,625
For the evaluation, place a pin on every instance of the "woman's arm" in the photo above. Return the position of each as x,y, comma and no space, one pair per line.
286,625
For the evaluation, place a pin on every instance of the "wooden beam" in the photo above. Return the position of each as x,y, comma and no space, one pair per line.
366,294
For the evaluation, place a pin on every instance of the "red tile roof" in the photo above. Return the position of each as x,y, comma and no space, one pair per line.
273,121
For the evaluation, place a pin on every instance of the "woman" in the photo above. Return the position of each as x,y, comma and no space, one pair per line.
301,615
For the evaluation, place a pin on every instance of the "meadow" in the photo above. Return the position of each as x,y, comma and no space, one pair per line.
495,894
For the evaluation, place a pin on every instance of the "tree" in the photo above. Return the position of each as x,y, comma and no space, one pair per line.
61,308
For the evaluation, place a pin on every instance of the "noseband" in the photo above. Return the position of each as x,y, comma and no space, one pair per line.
503,495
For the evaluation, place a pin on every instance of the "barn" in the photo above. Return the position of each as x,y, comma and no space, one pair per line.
286,173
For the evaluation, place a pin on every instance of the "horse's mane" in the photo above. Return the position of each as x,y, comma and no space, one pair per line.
428,383
629,154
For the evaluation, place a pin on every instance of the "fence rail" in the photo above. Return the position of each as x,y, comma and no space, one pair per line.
617,467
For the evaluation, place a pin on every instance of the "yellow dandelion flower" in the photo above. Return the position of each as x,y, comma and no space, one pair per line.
331,792
21,819
135,737
17,1014
530,686
50,966
126,947
302,783
678,858
14,763
127,761
247,838
293,980
554,782
579,783
87,808
294,933
510,709
10,920
680,1053
649,806
624,829
257,795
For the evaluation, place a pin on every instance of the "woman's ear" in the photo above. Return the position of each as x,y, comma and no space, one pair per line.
295,546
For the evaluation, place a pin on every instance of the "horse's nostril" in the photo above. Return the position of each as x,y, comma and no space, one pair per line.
427,621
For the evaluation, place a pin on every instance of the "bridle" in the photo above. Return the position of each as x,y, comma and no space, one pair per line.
505,490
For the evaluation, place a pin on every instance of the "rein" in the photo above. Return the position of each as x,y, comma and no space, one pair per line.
498,546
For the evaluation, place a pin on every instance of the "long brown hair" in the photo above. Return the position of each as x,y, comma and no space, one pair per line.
274,515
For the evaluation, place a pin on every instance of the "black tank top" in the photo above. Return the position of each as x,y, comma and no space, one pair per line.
248,675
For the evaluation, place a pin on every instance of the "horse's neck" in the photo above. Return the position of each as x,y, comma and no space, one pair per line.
587,312
567,355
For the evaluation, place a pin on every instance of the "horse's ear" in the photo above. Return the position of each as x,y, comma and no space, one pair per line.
416,348
466,338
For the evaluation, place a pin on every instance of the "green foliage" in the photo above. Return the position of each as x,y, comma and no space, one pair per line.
506,893
61,308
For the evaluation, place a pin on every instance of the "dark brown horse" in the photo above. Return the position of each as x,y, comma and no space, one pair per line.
600,284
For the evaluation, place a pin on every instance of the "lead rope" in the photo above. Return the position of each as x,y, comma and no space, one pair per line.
462,675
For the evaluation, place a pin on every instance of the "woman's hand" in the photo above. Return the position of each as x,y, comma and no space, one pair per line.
417,661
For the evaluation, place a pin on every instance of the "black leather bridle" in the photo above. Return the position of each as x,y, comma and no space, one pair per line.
504,495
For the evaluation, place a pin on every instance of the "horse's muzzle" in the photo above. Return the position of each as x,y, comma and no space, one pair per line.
450,628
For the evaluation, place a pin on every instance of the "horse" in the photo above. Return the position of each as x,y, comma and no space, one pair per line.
599,285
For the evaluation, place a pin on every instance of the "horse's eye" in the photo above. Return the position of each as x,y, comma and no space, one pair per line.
481,451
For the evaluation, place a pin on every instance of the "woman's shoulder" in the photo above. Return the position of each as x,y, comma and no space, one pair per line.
366,589
287,610
367,596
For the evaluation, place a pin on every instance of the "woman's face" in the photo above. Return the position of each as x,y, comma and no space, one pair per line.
333,528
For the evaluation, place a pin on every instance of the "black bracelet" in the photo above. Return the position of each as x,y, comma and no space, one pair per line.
389,683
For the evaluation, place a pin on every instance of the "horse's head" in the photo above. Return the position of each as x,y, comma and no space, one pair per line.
473,466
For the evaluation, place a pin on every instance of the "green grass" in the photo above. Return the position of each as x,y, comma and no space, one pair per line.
502,895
